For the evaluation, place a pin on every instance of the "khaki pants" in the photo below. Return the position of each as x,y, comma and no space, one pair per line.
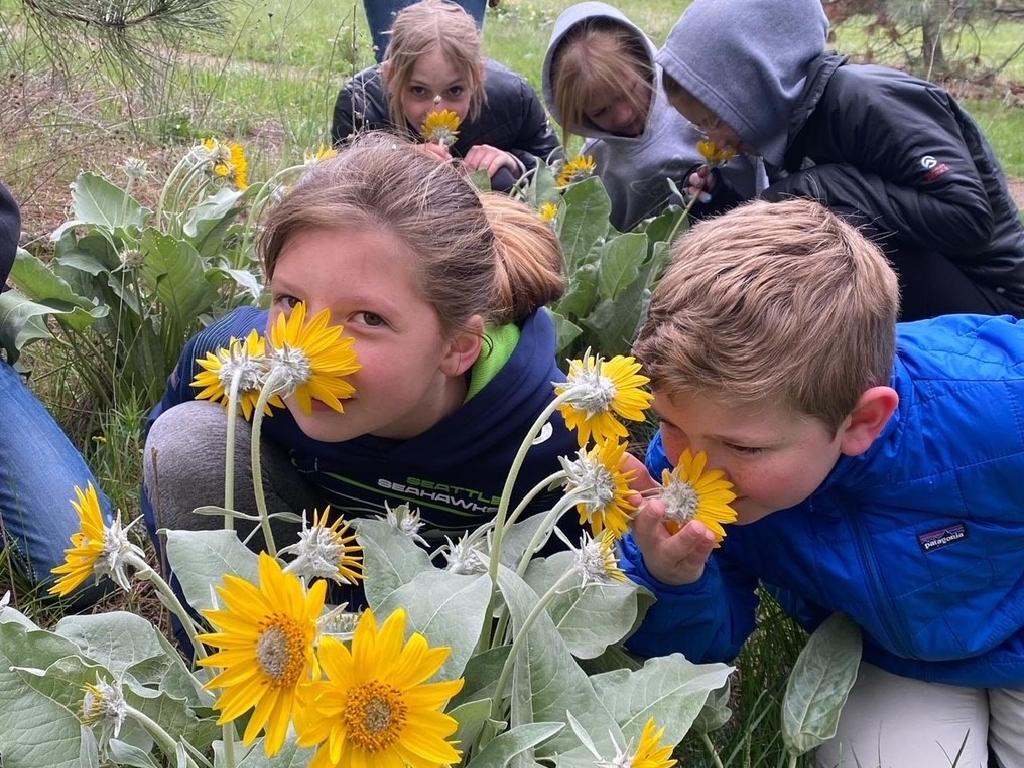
895,722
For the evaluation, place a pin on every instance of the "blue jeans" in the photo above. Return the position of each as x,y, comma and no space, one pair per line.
39,469
380,15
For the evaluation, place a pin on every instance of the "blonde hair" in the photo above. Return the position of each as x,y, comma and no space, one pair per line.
774,302
596,57
475,254
434,25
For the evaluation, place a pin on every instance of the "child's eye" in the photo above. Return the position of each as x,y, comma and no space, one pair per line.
744,450
371,319
455,91
417,90
287,301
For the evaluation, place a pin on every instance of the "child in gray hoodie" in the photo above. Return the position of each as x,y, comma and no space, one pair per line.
892,154
600,80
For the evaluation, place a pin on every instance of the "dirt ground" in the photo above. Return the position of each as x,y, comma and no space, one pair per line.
1017,190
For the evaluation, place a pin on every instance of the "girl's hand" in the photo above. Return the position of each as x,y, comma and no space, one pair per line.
491,159
701,184
437,150
673,559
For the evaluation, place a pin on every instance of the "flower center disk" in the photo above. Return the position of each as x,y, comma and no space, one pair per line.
374,715
279,651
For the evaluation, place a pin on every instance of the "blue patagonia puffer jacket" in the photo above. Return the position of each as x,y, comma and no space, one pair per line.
920,540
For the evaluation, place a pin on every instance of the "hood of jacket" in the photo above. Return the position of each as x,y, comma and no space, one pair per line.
746,61
569,18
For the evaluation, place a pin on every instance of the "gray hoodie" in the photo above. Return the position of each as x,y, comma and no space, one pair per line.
746,61
635,169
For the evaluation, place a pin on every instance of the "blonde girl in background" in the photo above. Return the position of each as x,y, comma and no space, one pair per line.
434,63
600,81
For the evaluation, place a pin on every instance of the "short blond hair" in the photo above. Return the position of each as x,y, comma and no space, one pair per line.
594,58
773,302
427,26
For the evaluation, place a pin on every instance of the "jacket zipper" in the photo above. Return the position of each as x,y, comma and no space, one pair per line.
881,596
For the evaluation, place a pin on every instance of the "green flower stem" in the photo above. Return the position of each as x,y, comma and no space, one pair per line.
517,644
162,738
543,532
530,495
172,176
229,451
792,760
230,761
266,392
711,750
503,504
169,599
510,481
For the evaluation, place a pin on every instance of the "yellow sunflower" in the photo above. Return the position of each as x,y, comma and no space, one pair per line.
713,154
229,161
691,493
96,548
327,551
548,212
576,169
374,708
265,636
595,560
441,127
87,545
598,474
246,358
600,390
649,754
312,358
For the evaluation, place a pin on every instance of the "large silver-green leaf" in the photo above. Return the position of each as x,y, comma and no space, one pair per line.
23,321
37,280
390,559
123,753
176,273
621,258
290,756
547,681
168,673
518,537
513,742
471,717
200,559
173,715
96,201
820,683
715,712
481,675
581,293
117,640
446,608
566,332
589,620
587,207
38,717
669,688
209,221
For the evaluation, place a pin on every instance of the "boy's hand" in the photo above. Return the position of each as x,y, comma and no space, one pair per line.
672,559
491,159
700,184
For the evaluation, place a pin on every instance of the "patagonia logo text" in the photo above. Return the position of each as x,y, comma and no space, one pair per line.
942,537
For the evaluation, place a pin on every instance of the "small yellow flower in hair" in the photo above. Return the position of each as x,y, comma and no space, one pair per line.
441,127
713,154
691,493
576,169
322,152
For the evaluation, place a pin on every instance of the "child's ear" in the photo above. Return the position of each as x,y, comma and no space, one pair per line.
463,348
385,72
867,420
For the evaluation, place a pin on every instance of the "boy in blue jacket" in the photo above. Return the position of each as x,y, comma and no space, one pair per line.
877,469
895,155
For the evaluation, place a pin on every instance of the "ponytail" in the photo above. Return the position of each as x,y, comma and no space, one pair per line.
529,270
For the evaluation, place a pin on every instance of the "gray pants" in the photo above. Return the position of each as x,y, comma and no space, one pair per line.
184,469
895,722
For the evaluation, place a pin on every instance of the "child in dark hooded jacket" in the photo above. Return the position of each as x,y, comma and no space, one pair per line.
601,81
895,155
